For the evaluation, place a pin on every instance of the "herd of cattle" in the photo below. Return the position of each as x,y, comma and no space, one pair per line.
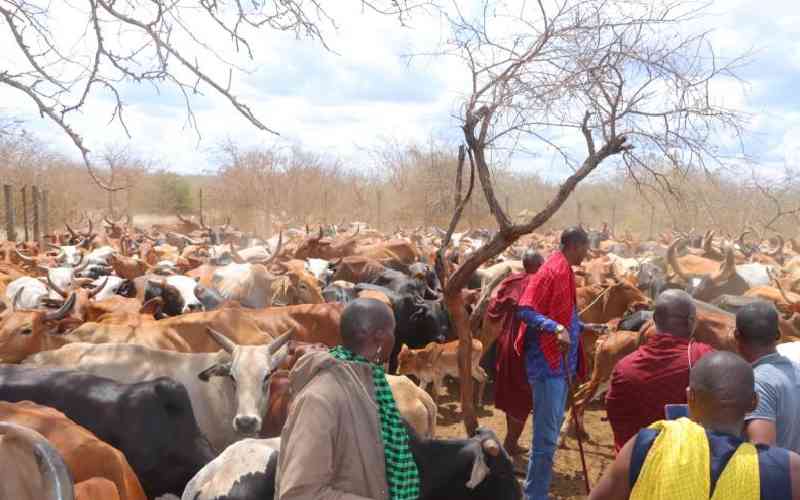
146,363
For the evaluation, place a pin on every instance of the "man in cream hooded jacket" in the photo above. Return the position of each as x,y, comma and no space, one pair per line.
331,444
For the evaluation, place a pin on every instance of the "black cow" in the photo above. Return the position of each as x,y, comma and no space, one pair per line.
151,423
417,321
401,283
477,468
426,272
652,280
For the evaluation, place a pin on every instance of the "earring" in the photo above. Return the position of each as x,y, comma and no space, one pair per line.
377,358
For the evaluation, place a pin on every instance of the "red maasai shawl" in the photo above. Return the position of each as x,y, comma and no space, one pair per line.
551,292
512,392
655,374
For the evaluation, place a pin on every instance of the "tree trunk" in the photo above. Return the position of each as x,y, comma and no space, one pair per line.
454,302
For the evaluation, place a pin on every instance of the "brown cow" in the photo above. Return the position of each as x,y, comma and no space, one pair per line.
357,269
86,456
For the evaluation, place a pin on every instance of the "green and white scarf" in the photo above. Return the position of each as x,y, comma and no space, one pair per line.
401,469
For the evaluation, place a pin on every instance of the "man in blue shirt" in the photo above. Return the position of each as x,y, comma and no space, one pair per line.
776,419
552,329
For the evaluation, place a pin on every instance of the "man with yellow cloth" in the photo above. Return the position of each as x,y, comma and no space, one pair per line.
704,458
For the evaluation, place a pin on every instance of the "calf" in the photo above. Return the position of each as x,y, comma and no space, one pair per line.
432,363
150,422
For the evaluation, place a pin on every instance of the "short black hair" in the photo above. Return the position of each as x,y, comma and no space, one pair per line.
532,257
757,323
573,236
727,377
362,318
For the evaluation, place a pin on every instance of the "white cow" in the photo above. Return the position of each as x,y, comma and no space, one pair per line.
217,402
110,288
249,465
28,292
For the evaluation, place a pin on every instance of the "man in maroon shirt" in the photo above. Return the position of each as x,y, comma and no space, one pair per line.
657,373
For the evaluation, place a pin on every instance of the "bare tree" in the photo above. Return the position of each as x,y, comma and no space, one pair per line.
618,74
167,44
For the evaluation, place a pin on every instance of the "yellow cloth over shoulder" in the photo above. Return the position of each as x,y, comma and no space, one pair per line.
678,464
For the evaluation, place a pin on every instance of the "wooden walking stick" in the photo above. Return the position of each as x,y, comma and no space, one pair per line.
575,422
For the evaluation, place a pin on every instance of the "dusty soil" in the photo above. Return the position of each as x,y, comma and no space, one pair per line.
567,476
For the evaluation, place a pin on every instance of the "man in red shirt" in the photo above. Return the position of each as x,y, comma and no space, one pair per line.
657,373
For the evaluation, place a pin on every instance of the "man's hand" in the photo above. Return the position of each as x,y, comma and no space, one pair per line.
562,337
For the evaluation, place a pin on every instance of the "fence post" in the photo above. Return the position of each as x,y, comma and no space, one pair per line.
45,217
24,191
37,236
11,233
201,204
378,195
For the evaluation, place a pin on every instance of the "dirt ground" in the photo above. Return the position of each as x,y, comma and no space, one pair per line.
567,476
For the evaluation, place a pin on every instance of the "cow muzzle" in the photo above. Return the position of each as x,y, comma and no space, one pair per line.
247,425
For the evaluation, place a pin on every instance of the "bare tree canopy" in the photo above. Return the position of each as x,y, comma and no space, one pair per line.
66,53
626,78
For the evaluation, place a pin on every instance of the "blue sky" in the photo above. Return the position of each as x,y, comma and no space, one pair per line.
347,100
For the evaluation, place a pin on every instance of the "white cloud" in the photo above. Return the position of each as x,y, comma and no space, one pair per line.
337,102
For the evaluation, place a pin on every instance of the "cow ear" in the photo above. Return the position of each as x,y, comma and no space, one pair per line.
479,470
216,370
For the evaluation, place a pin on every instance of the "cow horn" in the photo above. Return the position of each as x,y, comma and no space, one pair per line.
55,475
91,227
227,344
98,288
728,268
71,231
55,287
16,297
227,223
279,342
320,233
29,260
673,259
81,265
203,224
491,447
62,311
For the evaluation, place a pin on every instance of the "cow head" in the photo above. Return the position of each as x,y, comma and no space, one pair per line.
173,300
250,370
492,469
614,299
24,331
295,286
